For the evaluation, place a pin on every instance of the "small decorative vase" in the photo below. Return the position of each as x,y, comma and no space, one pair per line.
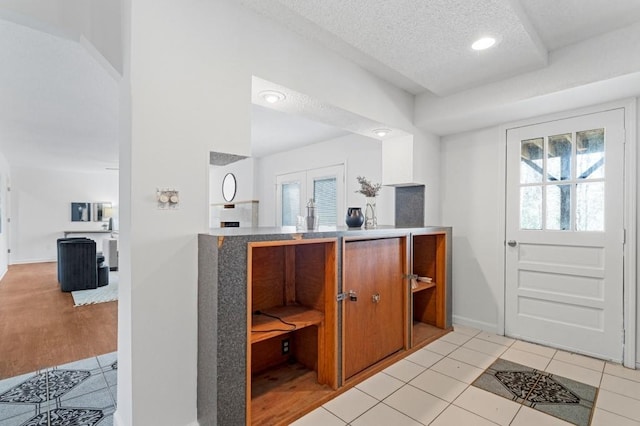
370,219
355,218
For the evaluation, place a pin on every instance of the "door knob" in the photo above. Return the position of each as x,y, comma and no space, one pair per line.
353,296
512,243
375,298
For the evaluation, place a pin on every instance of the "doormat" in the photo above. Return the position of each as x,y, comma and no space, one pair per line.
557,396
108,293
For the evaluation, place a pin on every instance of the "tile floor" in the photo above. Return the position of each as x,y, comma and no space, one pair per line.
81,393
433,386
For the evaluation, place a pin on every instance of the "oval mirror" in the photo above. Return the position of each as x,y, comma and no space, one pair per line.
229,187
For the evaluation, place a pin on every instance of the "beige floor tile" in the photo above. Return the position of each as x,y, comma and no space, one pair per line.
574,372
438,384
416,404
350,404
526,358
380,386
622,371
319,417
485,347
621,386
530,417
618,404
441,347
605,418
424,357
456,416
580,360
471,357
469,331
534,348
456,338
457,370
495,338
404,370
383,415
488,405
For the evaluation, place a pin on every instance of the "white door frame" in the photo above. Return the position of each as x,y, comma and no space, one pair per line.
630,212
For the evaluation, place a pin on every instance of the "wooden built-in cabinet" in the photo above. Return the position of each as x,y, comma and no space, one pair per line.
428,287
287,321
374,322
292,327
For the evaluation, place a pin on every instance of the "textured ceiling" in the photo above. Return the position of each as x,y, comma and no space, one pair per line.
424,45
273,131
302,118
561,23
59,107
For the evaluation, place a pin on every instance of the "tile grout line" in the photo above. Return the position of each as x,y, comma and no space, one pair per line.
46,381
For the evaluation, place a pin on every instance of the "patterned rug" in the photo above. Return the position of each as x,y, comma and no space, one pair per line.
555,395
81,393
107,293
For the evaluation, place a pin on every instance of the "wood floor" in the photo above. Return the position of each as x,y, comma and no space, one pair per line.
40,327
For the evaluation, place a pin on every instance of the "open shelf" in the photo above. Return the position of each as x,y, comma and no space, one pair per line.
428,299
283,393
423,286
292,341
423,332
265,327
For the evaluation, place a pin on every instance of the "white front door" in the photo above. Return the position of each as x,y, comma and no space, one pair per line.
565,235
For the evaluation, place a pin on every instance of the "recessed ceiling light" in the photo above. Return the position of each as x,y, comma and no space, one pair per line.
483,43
272,96
381,133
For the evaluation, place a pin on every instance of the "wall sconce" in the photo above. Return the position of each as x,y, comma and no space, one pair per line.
167,198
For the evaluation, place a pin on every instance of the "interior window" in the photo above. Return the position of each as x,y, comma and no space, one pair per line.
325,185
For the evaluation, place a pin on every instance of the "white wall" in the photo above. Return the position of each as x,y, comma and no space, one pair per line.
41,208
469,200
637,227
188,79
361,156
5,205
96,24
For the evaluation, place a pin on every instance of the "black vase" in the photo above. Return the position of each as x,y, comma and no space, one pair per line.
355,218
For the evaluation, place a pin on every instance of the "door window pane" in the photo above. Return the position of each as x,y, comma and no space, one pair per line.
559,158
324,194
290,203
531,160
558,207
590,206
590,154
531,207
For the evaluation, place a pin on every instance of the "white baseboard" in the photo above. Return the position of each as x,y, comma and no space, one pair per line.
116,419
468,322
23,261
118,422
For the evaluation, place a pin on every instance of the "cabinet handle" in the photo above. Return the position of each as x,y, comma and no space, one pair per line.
375,298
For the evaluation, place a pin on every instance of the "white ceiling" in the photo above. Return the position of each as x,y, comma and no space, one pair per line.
424,45
59,107
274,131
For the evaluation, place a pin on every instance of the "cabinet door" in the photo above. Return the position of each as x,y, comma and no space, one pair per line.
374,324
